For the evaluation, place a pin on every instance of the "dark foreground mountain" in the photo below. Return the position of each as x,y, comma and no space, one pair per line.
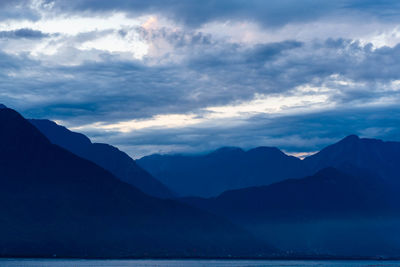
232,168
224,169
350,213
53,202
106,156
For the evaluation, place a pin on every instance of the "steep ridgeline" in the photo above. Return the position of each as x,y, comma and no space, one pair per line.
376,156
53,202
232,168
332,212
106,156
224,169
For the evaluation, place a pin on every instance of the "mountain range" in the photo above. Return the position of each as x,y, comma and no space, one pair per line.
343,200
55,203
332,212
63,195
233,168
224,169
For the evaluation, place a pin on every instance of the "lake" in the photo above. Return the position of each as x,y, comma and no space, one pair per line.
190,263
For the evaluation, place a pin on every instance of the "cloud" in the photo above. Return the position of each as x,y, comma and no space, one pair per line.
271,13
19,9
199,12
242,96
212,75
23,33
195,75
294,133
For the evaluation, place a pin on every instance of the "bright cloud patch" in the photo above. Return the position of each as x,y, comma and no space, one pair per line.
115,34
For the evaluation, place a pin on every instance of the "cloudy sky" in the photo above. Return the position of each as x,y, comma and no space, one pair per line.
161,76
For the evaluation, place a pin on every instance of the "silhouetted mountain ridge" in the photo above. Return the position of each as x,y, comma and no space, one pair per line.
54,202
334,212
374,155
232,168
224,169
104,155
329,192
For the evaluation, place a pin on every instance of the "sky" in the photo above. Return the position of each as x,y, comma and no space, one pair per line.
175,76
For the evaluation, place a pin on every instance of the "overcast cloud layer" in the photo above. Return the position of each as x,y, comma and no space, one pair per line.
163,76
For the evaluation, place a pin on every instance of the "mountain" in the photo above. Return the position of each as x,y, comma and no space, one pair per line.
332,213
328,193
376,156
53,202
347,204
224,169
106,156
232,168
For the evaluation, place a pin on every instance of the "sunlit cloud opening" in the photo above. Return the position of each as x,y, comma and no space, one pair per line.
261,104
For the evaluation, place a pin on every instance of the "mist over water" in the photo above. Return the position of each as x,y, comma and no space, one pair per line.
188,263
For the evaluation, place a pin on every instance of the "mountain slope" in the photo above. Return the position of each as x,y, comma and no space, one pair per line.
328,193
232,168
224,169
55,203
376,156
331,212
106,156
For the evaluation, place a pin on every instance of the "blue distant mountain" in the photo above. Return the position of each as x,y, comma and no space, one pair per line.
54,203
232,168
224,169
328,194
104,155
344,200
375,156
333,212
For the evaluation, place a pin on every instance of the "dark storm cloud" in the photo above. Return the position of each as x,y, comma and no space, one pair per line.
115,90
213,73
193,13
198,12
9,62
382,8
191,70
118,90
23,33
271,13
188,70
18,9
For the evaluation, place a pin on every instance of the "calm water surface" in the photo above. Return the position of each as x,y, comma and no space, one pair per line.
189,263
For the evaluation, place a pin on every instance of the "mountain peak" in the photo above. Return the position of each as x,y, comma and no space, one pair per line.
351,137
2,106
